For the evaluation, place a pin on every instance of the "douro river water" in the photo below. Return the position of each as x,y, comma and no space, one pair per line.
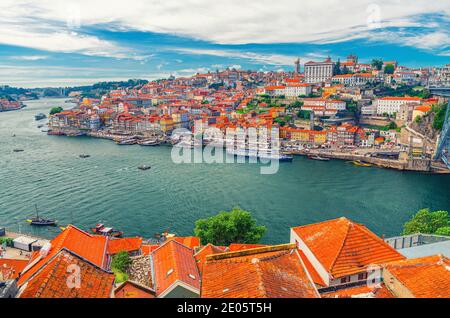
108,187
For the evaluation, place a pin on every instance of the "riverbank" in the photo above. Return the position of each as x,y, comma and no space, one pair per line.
403,164
416,165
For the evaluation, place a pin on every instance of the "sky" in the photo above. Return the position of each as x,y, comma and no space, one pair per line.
66,43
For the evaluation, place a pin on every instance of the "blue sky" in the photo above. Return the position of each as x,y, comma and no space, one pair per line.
51,43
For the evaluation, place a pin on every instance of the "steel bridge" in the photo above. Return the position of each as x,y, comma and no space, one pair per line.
443,147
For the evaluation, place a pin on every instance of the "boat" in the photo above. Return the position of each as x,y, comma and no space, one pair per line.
129,141
149,142
83,156
101,229
40,116
55,133
361,164
144,167
262,154
40,221
317,157
18,150
40,126
75,134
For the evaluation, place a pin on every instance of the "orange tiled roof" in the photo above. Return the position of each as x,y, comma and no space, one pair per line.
131,289
128,244
209,249
174,262
10,268
379,291
189,241
234,247
90,247
147,249
425,277
268,272
51,281
311,270
344,247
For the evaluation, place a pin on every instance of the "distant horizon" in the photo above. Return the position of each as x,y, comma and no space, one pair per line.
92,81
55,44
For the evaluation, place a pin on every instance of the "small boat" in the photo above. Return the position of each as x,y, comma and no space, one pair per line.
150,142
40,116
18,150
361,164
130,141
40,221
40,126
84,156
101,229
317,157
144,167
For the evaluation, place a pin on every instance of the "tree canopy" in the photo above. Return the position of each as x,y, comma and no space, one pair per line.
121,261
235,226
427,222
56,110
377,63
389,69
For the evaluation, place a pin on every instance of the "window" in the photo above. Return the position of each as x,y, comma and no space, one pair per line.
345,279
362,276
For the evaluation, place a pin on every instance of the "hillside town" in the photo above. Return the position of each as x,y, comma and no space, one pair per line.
336,258
371,113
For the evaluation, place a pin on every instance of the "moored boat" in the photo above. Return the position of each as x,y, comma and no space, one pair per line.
101,229
40,116
40,221
129,141
149,142
360,163
317,157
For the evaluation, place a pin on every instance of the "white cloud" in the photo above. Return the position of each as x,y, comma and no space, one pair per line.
53,25
30,57
272,59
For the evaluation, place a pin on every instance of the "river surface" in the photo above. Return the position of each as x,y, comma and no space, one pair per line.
108,187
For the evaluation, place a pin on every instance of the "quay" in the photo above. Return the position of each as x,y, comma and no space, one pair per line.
403,163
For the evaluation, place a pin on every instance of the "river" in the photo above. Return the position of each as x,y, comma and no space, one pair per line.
108,187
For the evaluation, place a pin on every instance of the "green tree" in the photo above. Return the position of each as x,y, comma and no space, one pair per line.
443,231
121,261
56,110
439,117
392,125
235,226
377,63
304,114
389,69
427,222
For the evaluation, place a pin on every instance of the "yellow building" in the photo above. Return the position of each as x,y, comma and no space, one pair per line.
166,123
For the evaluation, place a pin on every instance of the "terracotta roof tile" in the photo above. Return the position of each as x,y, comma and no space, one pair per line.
269,272
90,247
131,289
128,244
379,291
344,247
51,281
239,247
209,249
10,268
174,262
425,277
189,241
